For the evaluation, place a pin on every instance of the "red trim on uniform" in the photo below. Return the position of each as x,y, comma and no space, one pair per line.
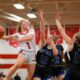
5,66
23,32
8,56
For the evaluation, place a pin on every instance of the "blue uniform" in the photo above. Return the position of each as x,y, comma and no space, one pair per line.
57,64
73,68
43,58
45,63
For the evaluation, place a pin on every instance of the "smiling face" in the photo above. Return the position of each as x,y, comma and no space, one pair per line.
24,24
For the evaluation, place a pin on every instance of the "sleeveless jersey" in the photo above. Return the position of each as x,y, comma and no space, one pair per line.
26,45
75,54
44,56
57,60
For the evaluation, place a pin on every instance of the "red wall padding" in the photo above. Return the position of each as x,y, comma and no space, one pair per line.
70,30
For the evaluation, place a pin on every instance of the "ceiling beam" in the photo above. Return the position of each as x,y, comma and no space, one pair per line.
38,2
51,2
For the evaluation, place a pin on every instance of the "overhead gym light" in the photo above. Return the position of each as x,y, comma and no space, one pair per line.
32,13
18,6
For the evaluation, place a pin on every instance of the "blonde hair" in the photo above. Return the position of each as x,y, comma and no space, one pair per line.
55,38
18,29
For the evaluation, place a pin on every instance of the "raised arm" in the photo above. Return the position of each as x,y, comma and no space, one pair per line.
62,32
42,28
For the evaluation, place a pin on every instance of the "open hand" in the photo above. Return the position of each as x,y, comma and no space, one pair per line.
58,16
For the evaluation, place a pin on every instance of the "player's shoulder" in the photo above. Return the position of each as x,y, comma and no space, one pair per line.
31,31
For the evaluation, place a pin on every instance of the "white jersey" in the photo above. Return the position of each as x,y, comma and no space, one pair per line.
27,45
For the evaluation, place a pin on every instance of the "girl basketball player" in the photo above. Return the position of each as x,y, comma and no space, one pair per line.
26,38
73,52
45,54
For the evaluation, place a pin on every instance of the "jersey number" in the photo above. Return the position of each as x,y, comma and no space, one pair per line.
28,45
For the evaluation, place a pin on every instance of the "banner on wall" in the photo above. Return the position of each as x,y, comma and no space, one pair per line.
72,29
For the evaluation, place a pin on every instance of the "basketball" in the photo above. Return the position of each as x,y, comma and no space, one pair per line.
2,31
